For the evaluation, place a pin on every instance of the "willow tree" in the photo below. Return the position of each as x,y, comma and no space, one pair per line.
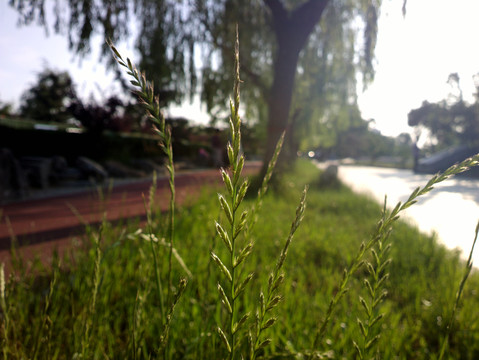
316,47
162,30
300,60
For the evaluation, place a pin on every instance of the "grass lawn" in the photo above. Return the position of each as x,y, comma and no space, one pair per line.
112,300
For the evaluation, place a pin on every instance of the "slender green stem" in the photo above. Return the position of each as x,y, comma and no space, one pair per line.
154,252
376,294
46,309
96,284
233,282
237,223
275,280
171,225
151,104
3,305
153,243
458,296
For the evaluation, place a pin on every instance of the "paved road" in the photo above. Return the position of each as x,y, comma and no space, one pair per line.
451,210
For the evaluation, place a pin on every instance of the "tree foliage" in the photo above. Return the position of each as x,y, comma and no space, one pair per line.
359,140
300,58
162,29
6,109
451,121
114,115
53,98
49,98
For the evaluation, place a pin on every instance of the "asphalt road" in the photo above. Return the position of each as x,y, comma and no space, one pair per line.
451,210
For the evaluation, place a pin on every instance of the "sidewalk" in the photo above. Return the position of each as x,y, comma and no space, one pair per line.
39,226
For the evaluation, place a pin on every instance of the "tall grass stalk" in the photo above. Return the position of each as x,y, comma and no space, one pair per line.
152,107
378,275
271,300
467,271
236,188
5,317
233,333
383,227
44,315
151,104
149,225
136,350
166,328
154,243
15,258
88,322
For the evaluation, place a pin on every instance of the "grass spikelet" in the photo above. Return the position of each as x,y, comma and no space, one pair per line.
375,293
272,299
136,324
145,92
151,104
90,315
229,293
166,328
246,221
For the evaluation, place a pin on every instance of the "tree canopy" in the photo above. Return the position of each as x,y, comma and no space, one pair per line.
113,114
451,121
299,59
49,98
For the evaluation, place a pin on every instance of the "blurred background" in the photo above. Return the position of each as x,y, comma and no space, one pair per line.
387,83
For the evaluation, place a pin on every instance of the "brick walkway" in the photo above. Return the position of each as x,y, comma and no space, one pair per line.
42,225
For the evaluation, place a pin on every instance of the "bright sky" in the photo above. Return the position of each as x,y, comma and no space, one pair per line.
414,56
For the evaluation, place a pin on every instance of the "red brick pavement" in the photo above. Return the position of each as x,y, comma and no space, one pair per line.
42,225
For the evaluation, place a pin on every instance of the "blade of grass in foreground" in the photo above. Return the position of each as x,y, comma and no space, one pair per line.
467,271
152,107
370,322
271,300
3,306
229,232
151,104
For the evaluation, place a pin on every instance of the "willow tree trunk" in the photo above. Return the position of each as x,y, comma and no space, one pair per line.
280,97
292,29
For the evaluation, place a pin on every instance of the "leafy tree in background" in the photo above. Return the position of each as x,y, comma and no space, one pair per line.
113,115
312,46
449,122
164,35
50,97
361,141
6,109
